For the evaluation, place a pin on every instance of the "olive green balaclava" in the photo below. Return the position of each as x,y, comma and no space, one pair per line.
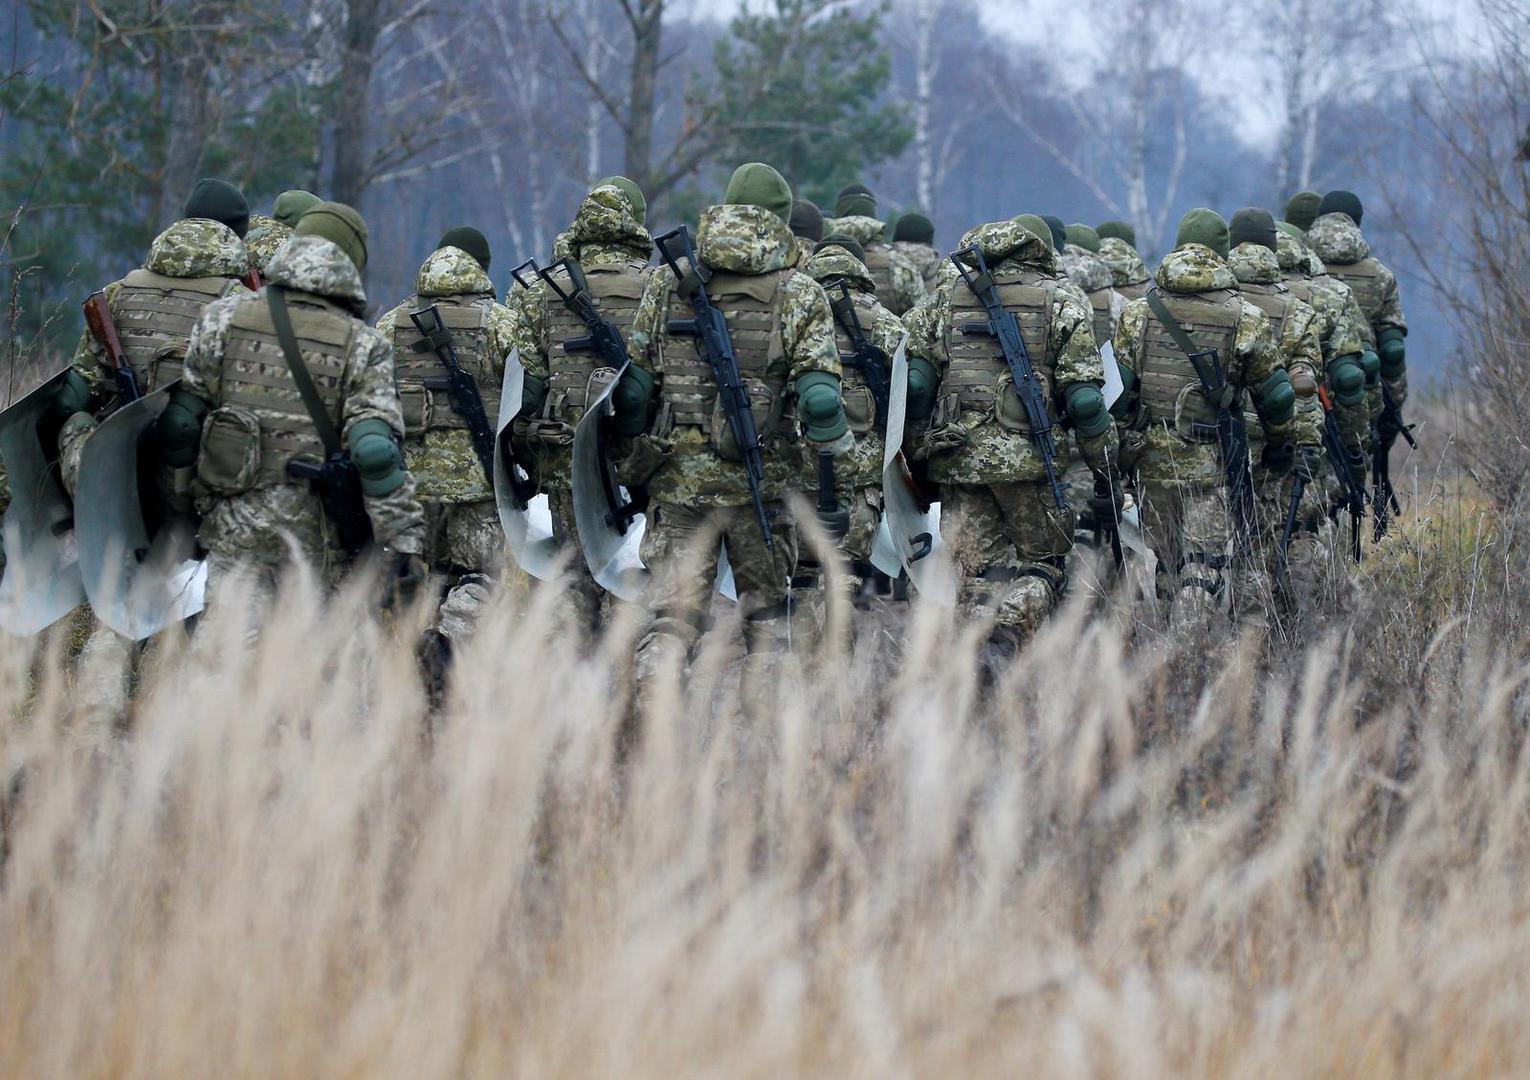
914,228
470,240
1058,229
1037,227
1203,226
1252,225
855,200
807,219
1083,236
339,224
218,200
634,195
1302,209
1118,229
836,240
291,205
1342,202
757,184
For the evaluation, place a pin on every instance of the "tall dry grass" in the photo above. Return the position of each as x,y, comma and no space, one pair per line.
1132,857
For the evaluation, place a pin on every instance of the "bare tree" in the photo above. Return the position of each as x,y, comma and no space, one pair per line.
917,26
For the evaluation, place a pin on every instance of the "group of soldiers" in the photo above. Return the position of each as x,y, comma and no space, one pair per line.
764,364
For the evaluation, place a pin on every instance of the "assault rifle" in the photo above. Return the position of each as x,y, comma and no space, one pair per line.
98,317
460,386
711,332
1384,500
1352,488
1232,435
865,357
1003,326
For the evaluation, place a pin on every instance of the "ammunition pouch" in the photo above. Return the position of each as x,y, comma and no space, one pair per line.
860,407
765,402
230,460
418,405
1193,421
1008,409
648,455
945,432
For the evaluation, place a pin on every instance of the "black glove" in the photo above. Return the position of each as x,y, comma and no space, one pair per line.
1308,464
406,579
1277,459
1107,503
1387,429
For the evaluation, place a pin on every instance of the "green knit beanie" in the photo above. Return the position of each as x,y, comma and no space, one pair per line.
468,239
840,241
218,200
1118,229
1037,227
1083,236
914,228
291,205
339,224
1302,209
1203,226
757,184
1252,225
1058,230
807,219
634,195
1342,202
855,200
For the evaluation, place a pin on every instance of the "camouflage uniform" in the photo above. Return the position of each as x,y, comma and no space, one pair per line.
265,236
1010,538
464,540
1128,273
1168,445
925,258
858,475
898,281
1338,241
1337,323
190,264
782,327
235,365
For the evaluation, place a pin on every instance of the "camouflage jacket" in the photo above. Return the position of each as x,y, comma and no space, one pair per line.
1084,268
1154,446
748,241
256,525
442,459
1338,241
264,236
985,451
925,258
1300,346
1337,324
903,285
862,467
1126,267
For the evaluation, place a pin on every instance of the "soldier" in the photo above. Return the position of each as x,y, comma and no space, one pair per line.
242,404
807,227
611,245
1128,273
1171,443
464,541
899,286
1010,537
858,475
1302,209
269,233
1080,260
914,239
782,331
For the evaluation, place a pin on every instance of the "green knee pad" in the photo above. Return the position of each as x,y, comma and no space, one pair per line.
1347,379
533,394
1393,352
1275,399
922,384
375,453
631,400
1086,409
72,396
820,407
1370,363
180,428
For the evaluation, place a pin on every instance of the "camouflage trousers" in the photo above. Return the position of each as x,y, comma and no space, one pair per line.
811,604
465,543
583,597
1188,527
233,577
1010,543
1298,583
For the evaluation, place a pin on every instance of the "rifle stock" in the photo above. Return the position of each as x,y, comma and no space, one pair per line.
98,318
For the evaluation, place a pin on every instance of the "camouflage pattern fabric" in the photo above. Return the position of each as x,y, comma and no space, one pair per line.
1336,323
906,283
190,248
739,240
1126,266
258,524
1300,349
1188,527
466,542
1010,542
925,258
262,240
1338,241
1084,268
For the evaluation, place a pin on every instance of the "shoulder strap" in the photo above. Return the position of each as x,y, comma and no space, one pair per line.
1176,331
277,301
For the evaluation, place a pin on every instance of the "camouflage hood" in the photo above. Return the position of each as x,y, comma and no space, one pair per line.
606,221
1008,242
451,271
1254,264
858,227
315,265
1337,239
198,247
1194,268
1126,266
835,262
1291,253
1084,268
744,240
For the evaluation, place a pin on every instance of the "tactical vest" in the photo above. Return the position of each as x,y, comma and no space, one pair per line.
1273,300
1103,325
977,371
616,289
417,369
1170,388
154,316
879,262
256,378
1364,278
860,406
751,304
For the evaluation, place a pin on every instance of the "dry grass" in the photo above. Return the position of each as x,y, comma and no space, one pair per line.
1132,859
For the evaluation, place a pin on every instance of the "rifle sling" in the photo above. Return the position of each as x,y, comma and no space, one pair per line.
276,300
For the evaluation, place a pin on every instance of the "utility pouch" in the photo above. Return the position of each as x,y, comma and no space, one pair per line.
860,408
166,366
945,430
766,406
1008,409
229,463
419,407
646,458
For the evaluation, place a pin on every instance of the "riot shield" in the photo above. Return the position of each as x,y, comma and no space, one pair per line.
913,531
138,555
609,528
527,521
42,580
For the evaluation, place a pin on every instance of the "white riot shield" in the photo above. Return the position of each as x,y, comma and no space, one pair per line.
138,560
608,540
42,575
528,527
914,533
